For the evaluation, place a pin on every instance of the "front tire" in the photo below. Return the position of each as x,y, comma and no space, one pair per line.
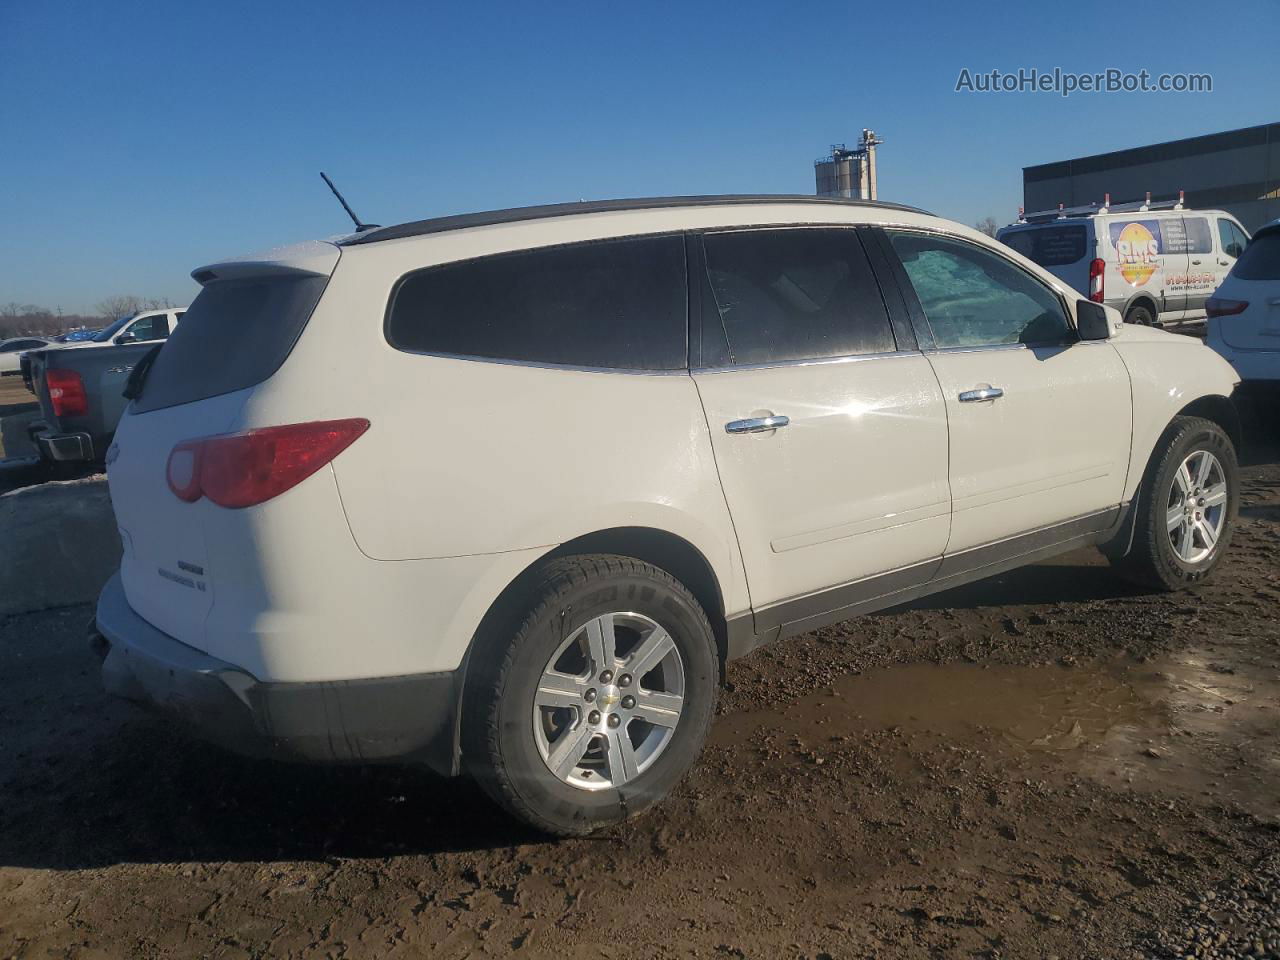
601,700
1186,507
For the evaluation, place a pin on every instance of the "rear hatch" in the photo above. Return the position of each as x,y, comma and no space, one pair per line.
236,334
1254,280
1061,248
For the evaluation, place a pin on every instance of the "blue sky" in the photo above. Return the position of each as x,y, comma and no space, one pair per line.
144,139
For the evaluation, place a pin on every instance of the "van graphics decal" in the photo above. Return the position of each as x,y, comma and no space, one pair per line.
1137,248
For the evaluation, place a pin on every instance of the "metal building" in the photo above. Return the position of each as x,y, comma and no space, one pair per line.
1237,171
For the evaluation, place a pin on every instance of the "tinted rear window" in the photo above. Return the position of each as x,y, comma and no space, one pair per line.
616,304
1049,246
235,334
1261,258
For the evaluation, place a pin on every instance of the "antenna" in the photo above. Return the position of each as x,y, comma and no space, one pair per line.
360,227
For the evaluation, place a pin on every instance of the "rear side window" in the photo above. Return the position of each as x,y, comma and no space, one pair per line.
235,334
1049,246
614,304
780,295
1261,258
1199,239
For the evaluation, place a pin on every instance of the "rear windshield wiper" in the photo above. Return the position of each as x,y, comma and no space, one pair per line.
138,375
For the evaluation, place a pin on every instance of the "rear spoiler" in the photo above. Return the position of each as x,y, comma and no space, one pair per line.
1266,229
317,258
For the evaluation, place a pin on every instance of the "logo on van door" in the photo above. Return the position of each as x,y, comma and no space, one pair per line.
1137,250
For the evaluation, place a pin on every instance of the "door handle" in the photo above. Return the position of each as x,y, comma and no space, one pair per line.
981,395
756,424
1195,263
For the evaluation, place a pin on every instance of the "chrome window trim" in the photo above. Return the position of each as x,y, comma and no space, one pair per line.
543,365
986,347
810,362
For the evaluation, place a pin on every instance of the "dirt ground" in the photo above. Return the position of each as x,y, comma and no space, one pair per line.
1048,764
13,392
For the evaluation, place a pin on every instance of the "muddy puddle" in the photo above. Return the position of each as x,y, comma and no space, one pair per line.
1189,723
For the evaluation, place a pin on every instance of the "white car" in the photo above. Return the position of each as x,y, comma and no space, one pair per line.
139,328
595,451
1154,262
12,349
1244,313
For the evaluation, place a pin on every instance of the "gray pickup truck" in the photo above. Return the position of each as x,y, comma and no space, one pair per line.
81,394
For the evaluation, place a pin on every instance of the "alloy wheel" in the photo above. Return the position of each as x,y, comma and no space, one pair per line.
608,701
1196,509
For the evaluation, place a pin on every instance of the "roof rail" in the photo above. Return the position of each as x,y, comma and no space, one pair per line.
1093,209
420,228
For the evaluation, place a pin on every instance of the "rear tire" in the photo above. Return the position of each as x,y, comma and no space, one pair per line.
1141,315
1186,507
620,720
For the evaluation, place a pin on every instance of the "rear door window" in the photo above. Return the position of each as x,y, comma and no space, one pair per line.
235,334
1049,246
614,304
779,295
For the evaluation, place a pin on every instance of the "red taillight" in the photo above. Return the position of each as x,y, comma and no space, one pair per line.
1097,272
66,393
1218,307
244,469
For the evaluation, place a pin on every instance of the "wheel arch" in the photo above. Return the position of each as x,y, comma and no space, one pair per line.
661,548
1217,409
1212,407
1145,299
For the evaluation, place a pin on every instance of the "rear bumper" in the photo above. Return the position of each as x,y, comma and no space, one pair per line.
60,447
403,719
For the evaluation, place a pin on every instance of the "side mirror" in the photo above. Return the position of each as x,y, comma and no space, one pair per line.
127,337
1092,320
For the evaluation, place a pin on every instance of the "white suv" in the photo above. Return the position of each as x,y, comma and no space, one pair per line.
502,493
1244,313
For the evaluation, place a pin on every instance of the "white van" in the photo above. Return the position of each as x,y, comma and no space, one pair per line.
1154,262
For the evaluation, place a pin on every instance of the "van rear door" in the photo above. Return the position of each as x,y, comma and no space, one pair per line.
1061,248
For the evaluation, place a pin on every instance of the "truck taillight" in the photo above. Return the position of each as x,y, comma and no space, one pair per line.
1218,307
243,469
1097,273
66,393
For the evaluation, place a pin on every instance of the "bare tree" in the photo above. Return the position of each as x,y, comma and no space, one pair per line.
987,225
113,308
